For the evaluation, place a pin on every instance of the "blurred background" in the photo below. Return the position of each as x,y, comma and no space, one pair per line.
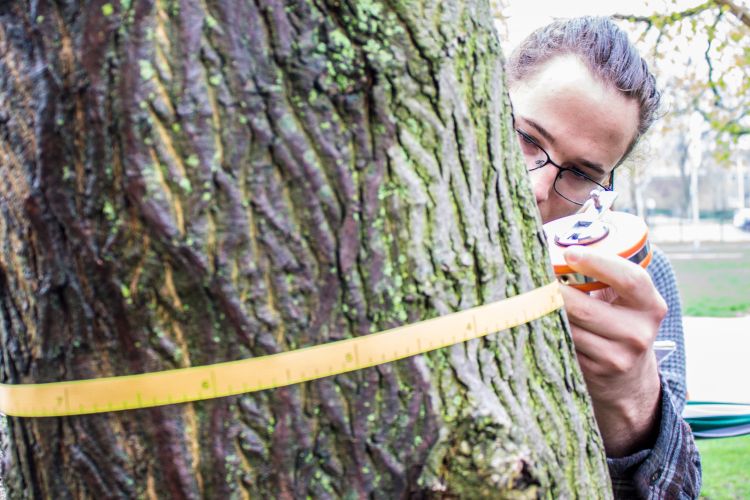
690,179
690,176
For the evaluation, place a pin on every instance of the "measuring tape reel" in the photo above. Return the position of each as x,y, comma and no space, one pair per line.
597,226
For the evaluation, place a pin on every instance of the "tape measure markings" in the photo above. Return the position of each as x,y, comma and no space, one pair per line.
254,374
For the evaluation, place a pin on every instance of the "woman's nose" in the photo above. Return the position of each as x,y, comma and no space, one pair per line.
543,181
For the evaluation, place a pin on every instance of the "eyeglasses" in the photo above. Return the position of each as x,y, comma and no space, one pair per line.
571,184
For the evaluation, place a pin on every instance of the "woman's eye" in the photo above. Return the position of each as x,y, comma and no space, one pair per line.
528,146
579,174
526,139
576,176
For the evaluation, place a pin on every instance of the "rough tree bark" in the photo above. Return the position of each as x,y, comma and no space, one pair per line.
189,182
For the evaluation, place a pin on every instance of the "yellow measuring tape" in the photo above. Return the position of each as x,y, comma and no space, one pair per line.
266,372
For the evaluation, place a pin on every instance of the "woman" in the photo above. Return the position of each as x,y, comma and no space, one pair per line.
582,97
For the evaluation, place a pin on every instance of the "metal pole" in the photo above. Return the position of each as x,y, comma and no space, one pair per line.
740,183
695,152
695,205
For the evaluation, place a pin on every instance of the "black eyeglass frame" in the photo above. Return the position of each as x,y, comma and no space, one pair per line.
560,170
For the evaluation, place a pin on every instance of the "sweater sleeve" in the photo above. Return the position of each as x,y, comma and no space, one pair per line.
672,468
673,367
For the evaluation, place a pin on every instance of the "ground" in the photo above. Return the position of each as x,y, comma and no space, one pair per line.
714,278
726,468
714,281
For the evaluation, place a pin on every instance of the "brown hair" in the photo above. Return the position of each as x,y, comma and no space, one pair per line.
607,52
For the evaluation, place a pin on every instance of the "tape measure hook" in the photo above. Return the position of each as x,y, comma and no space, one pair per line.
583,232
588,227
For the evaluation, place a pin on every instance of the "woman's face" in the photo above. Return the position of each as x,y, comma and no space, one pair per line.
579,121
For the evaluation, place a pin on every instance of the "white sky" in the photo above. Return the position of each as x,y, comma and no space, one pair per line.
526,15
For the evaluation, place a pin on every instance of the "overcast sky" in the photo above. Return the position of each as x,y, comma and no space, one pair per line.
526,15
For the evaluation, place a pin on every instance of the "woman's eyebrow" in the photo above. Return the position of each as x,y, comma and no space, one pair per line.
593,166
542,131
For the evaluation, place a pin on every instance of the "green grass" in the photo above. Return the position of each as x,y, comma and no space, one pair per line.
714,279
726,468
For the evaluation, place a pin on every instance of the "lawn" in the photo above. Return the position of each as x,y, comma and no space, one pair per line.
726,468
714,279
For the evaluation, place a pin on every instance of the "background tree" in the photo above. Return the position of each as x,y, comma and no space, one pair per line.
185,183
704,53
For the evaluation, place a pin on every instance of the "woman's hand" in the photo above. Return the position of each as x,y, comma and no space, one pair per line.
614,331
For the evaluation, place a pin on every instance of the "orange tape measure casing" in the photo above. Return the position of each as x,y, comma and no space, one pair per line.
624,234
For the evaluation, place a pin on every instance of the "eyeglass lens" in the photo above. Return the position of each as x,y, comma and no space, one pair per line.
571,185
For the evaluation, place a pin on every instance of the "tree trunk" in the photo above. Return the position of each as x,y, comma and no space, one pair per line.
185,183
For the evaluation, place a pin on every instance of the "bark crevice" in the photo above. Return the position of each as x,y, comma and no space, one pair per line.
191,183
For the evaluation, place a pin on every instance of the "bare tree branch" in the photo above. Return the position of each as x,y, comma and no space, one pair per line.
668,18
707,55
739,11
720,100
